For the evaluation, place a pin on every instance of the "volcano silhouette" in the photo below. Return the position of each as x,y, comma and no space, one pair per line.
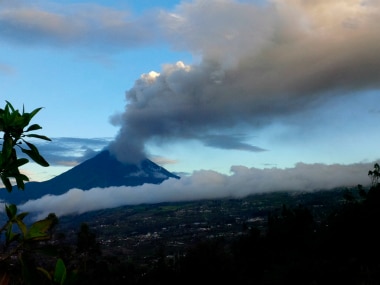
103,170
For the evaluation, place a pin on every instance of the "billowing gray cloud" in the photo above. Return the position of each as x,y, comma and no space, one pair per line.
258,65
204,184
255,64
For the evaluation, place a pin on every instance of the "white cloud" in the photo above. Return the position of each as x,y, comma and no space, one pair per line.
204,184
63,25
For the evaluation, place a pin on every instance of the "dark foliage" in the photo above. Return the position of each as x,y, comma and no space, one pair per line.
294,249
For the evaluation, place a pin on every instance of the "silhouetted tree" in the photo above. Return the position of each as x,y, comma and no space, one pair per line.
87,246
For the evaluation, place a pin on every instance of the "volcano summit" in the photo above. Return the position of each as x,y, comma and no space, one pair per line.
103,170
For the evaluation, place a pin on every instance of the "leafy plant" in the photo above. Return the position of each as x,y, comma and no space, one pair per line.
15,127
20,240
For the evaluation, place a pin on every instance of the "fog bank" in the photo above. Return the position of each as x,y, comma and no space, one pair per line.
204,184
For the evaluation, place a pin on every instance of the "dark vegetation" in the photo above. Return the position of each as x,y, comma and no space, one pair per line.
325,237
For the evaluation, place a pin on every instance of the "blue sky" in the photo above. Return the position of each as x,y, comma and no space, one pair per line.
197,85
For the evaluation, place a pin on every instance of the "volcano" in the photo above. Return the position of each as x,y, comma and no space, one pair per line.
103,170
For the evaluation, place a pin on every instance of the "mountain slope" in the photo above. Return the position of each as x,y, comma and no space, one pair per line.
103,170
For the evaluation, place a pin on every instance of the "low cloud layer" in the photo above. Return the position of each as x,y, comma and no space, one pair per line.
204,184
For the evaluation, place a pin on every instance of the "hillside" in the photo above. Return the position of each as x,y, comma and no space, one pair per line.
275,238
179,225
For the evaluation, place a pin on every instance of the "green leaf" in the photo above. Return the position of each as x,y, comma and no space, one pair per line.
38,137
9,105
20,178
32,146
21,162
7,183
39,230
10,236
20,183
22,226
11,211
7,147
34,154
36,157
23,176
60,272
34,112
22,215
33,127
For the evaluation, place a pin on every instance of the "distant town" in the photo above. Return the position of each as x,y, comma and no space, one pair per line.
139,232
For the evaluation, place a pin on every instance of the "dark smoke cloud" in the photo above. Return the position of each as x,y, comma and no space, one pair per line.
258,65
